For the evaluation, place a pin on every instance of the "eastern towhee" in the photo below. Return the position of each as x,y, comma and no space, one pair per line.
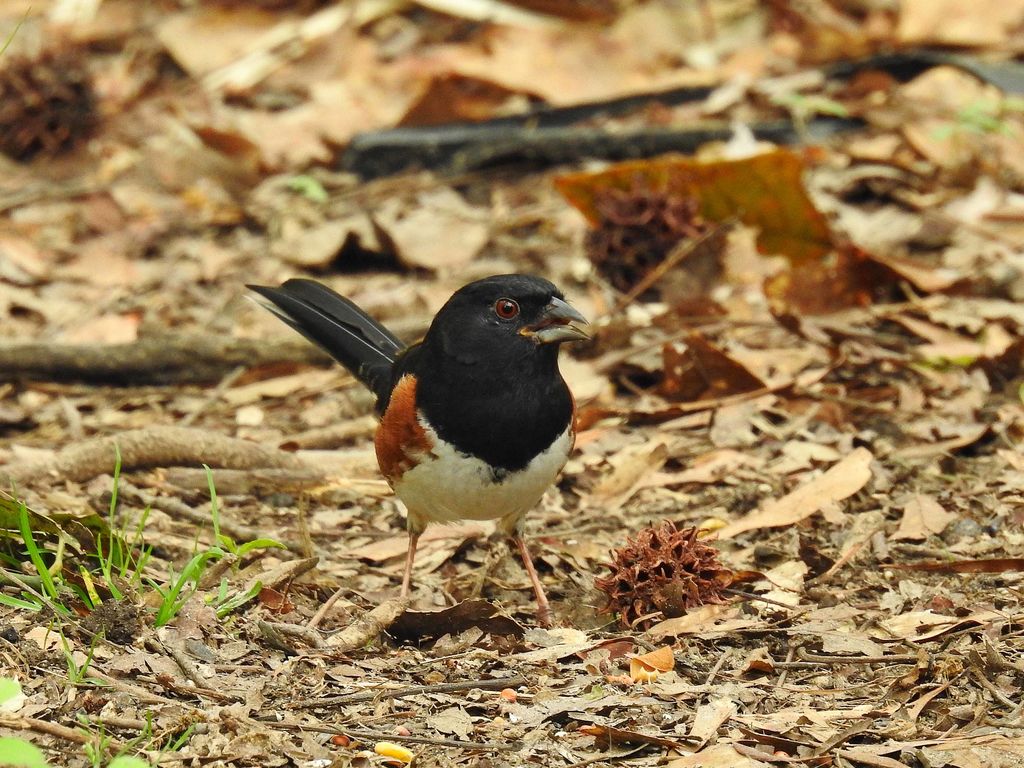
475,420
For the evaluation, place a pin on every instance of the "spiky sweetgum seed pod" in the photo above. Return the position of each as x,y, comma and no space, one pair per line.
47,103
663,570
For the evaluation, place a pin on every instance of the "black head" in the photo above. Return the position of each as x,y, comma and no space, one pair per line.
510,318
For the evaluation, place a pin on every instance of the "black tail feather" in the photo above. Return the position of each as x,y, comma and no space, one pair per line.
353,338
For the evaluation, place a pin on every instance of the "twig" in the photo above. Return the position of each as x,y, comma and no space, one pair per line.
171,359
906,658
718,666
326,607
246,482
758,598
180,658
851,553
369,626
1001,697
790,654
681,251
496,684
365,735
606,758
9,578
213,397
150,447
143,695
308,635
286,41
57,730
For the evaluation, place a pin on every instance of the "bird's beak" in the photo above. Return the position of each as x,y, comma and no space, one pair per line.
559,322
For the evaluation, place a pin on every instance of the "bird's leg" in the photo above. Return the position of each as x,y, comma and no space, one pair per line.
543,607
410,555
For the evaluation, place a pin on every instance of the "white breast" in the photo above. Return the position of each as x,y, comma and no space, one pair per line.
447,485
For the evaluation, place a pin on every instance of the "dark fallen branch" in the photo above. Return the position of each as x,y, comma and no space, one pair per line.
554,135
145,448
460,148
171,359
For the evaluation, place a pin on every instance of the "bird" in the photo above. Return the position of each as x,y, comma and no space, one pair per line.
475,420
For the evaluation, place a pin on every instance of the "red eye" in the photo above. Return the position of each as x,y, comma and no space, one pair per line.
506,309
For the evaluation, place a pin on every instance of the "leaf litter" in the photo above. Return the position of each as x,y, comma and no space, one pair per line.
811,357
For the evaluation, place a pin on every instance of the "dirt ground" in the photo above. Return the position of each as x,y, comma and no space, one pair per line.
811,354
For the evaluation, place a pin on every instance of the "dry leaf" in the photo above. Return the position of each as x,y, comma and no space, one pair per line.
717,756
840,481
922,517
419,625
703,620
711,716
659,660
439,231
979,23
702,372
764,192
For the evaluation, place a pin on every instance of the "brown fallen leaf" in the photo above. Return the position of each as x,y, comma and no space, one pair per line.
853,278
764,191
659,660
703,620
840,481
711,716
438,231
717,756
968,435
629,468
922,517
920,626
453,98
419,625
702,371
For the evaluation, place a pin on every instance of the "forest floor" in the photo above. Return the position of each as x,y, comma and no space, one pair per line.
811,354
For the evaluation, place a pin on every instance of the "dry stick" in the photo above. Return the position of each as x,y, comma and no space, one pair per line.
364,735
213,397
169,359
190,670
675,256
308,635
497,684
758,598
137,691
334,435
906,658
790,654
988,686
718,666
368,626
850,554
324,609
150,447
55,729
